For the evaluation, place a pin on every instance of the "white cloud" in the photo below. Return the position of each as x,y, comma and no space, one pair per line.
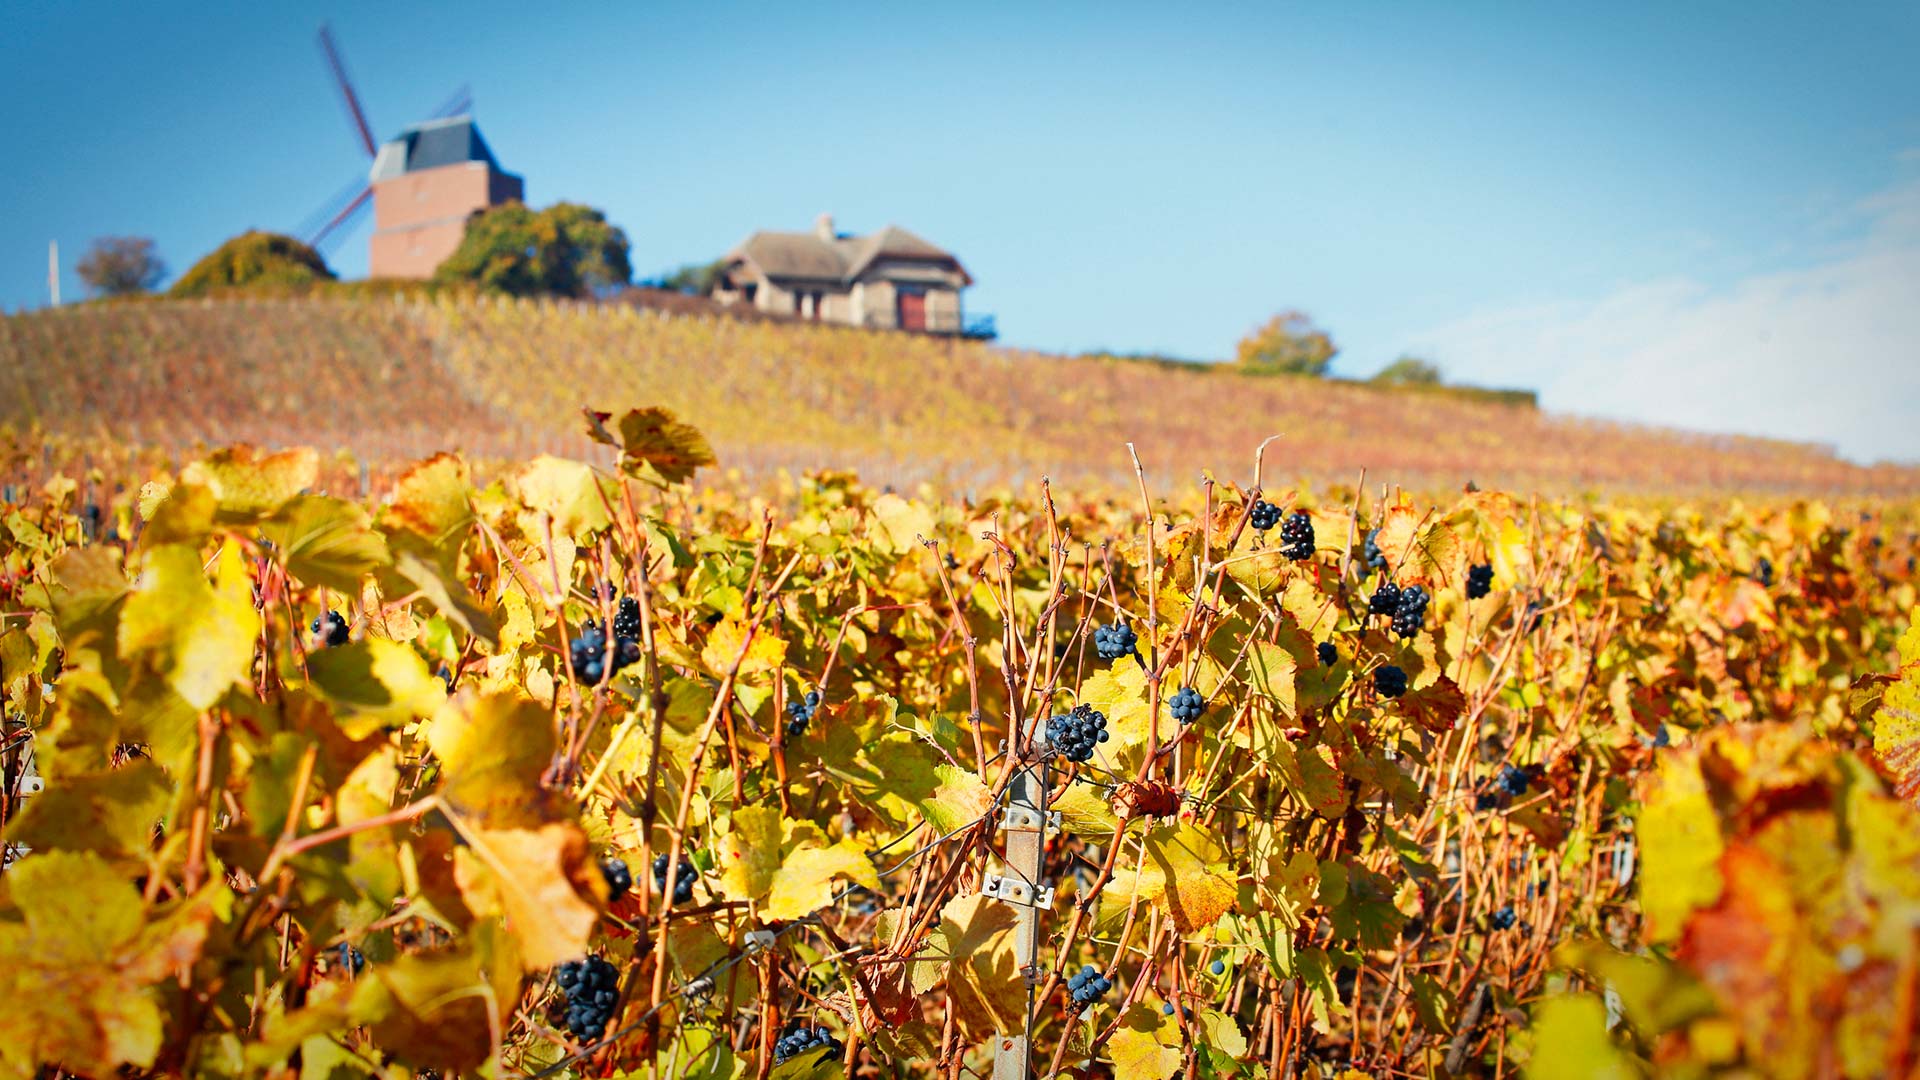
1829,352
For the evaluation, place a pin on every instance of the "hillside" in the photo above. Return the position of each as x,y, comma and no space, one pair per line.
399,379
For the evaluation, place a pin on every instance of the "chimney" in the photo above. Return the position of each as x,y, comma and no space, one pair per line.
823,227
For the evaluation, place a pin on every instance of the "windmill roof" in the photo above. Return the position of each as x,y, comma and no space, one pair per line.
453,141
843,258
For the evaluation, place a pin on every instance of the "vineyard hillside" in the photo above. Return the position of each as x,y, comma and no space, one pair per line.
396,379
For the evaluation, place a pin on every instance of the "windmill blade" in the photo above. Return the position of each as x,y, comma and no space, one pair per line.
347,95
352,211
461,101
310,226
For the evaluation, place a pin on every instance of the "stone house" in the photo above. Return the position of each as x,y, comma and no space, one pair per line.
889,280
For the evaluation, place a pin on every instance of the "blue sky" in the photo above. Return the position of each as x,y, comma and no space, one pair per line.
1704,214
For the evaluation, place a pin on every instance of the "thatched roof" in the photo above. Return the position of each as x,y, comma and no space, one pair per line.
813,256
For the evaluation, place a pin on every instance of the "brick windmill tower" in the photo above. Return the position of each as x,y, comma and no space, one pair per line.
424,184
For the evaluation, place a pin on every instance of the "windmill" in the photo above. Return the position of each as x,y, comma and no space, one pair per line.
338,216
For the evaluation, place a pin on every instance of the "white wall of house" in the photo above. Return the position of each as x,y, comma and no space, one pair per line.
872,301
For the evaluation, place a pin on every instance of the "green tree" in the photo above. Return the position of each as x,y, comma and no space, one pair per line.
694,279
122,266
1288,344
255,260
566,250
1409,371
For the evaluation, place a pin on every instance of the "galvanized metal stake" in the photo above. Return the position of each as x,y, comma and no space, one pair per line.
1024,821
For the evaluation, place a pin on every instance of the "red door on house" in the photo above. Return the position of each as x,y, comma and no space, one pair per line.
913,310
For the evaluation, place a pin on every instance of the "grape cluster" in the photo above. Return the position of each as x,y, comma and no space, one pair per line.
1479,581
1375,558
1411,612
1532,617
1513,781
682,882
1504,918
619,878
590,655
1329,655
331,629
1187,705
1264,515
804,1040
350,958
1390,681
1296,537
1114,640
1088,985
1076,733
1763,571
1385,599
800,711
592,987
626,621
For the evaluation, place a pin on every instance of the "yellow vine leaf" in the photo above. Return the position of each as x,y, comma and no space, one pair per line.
77,968
1680,846
1570,1042
750,854
531,877
247,486
566,491
1137,1055
326,541
200,635
376,682
1186,874
724,646
983,974
1896,724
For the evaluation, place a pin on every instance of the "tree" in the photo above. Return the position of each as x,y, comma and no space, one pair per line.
1409,371
258,261
694,279
1288,344
567,249
122,266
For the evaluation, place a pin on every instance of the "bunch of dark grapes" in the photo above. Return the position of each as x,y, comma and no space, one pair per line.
1531,619
350,959
1412,611
331,629
626,621
1088,985
1296,537
619,878
1763,571
1264,515
1075,734
593,993
682,882
1114,640
1479,581
800,711
1487,800
591,657
1504,918
1329,655
1513,781
1375,558
1187,705
804,1040
1389,681
1385,599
